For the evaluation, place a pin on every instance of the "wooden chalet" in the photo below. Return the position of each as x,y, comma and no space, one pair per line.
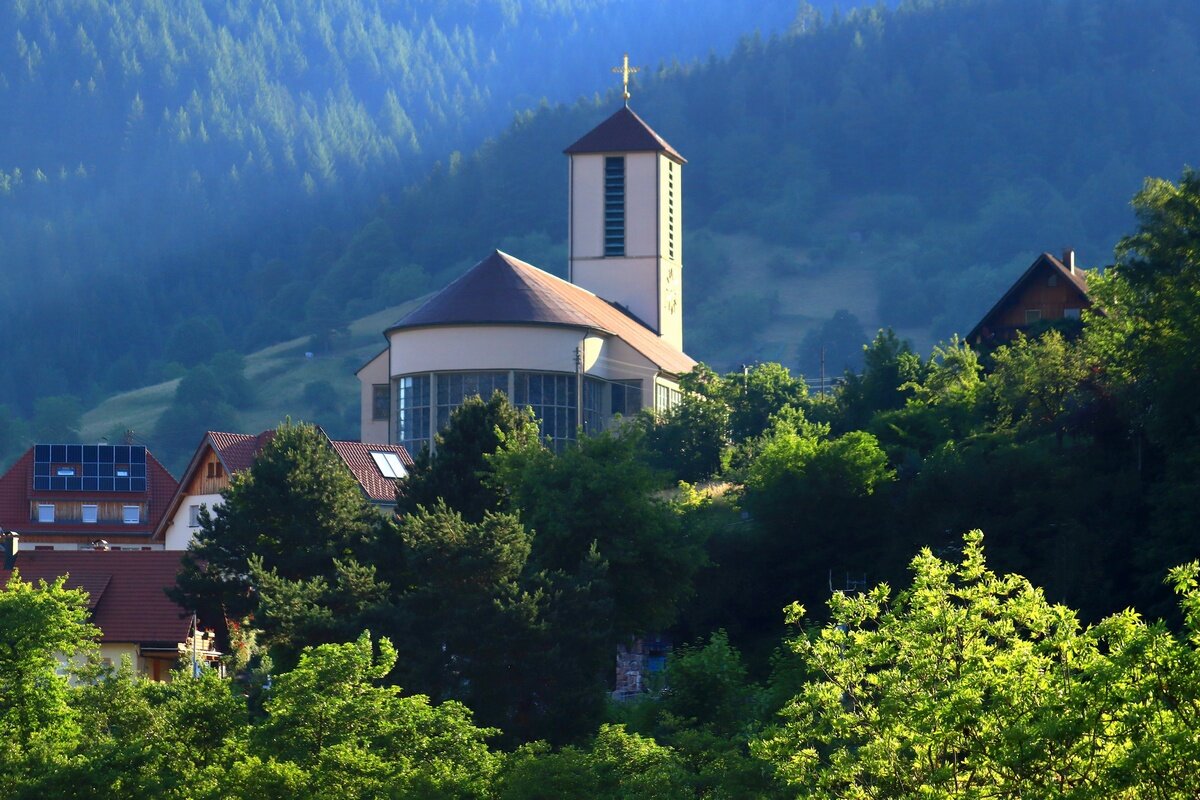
221,455
1051,290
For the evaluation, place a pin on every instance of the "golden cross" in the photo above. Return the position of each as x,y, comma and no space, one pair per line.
625,71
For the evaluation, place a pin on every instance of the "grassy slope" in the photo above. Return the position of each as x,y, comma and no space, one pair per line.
279,374
281,371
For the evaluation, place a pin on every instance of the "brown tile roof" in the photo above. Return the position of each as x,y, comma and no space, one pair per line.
503,290
357,456
623,132
125,590
17,492
1076,279
238,450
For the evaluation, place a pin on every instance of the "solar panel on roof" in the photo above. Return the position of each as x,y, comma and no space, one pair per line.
89,468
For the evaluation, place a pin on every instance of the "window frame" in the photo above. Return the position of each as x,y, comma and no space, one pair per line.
136,516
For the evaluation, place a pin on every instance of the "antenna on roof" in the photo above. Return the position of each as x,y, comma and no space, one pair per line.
625,71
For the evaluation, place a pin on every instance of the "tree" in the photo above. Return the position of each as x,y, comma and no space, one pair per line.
1035,385
330,720
57,419
972,684
454,472
760,393
41,624
889,365
616,765
688,439
599,494
297,510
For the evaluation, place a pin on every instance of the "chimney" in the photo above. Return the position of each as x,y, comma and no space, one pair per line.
1068,260
10,545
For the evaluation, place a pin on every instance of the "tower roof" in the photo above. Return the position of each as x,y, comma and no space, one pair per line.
502,290
623,132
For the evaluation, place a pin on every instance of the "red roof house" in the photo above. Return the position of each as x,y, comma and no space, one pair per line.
126,597
70,495
220,455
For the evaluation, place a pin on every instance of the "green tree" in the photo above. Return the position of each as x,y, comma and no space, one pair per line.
331,720
297,510
1036,385
57,419
454,472
42,623
688,439
971,684
889,367
760,393
598,494
616,765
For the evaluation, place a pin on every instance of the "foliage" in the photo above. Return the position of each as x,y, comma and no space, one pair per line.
297,510
970,683
598,494
40,623
890,368
455,471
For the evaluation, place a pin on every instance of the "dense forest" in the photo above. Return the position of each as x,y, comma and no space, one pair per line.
839,629
156,155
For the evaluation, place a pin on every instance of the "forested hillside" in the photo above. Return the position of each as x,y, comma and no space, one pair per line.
155,155
905,165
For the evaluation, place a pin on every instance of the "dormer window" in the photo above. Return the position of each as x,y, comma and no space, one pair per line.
45,512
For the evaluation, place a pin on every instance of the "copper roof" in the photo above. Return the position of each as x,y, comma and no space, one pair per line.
126,590
623,132
503,290
1074,278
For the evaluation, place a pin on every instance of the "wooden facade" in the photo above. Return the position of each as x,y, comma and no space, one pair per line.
107,512
210,477
1049,291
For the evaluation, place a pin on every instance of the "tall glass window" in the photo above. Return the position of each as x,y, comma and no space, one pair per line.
552,397
413,412
593,405
455,387
614,206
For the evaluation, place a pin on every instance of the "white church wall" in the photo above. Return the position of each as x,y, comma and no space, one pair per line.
484,347
632,282
641,207
373,372
586,221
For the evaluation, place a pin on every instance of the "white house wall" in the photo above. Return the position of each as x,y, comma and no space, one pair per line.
179,534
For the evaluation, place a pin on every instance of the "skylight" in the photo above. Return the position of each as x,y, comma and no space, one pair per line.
389,464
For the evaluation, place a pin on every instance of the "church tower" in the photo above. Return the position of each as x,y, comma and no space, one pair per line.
625,231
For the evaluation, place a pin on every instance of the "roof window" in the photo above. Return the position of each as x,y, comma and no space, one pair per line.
389,464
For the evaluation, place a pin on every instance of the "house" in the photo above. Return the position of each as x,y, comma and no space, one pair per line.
221,455
71,496
604,342
126,598
1049,291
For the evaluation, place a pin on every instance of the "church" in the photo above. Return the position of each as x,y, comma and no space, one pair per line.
607,341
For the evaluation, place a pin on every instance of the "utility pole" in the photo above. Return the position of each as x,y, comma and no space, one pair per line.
822,369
